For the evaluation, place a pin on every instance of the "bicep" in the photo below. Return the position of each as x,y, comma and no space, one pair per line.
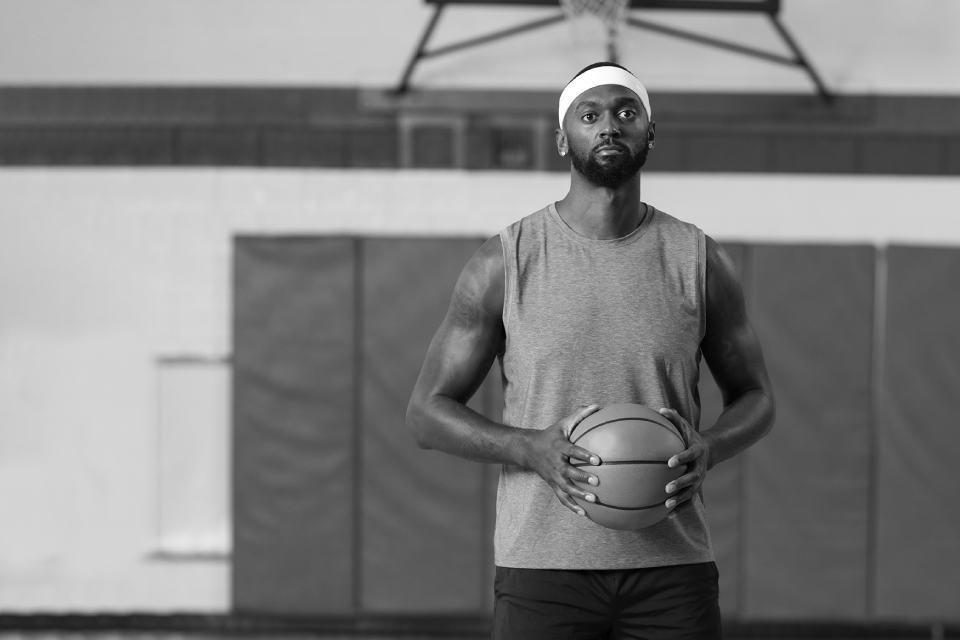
730,345
471,334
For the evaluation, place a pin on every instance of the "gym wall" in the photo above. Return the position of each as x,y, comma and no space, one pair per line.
167,247
174,173
809,524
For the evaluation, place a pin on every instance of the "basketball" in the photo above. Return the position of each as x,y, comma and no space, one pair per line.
634,443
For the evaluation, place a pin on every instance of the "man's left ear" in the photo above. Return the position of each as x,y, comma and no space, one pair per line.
652,135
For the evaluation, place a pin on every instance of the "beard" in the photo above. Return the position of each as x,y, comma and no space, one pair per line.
611,173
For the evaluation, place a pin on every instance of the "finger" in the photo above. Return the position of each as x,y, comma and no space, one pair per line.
684,457
671,415
679,422
573,489
676,500
568,502
582,476
579,453
576,417
687,480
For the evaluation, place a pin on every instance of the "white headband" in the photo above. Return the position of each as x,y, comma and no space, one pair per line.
599,76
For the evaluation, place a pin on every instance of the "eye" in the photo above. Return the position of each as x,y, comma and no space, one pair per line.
589,117
627,114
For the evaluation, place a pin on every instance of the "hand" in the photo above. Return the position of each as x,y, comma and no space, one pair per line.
696,456
549,454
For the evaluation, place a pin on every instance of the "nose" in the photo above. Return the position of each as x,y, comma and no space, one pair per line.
610,128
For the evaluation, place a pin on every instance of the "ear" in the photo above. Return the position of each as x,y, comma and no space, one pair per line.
652,135
562,147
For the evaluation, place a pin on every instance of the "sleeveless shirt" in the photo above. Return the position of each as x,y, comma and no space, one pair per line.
597,321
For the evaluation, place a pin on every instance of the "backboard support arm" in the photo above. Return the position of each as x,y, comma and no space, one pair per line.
769,7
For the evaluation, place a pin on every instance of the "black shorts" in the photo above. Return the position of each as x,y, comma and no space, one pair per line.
650,604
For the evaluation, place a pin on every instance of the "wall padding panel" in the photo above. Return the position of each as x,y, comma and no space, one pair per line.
293,425
806,485
918,492
424,531
337,511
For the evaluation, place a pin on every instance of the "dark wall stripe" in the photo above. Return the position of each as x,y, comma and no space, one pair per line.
748,273
918,537
422,526
356,497
347,127
293,426
877,367
808,482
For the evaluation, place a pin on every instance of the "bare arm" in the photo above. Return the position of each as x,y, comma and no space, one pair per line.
458,358
732,351
733,354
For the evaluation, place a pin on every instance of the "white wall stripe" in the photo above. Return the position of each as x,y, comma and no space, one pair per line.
749,207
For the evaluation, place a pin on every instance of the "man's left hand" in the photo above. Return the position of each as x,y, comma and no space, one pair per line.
696,456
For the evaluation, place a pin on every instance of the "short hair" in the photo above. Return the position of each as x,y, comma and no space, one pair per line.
599,64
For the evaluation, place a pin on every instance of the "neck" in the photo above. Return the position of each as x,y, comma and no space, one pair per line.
602,213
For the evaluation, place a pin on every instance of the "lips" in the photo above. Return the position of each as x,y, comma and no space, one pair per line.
609,149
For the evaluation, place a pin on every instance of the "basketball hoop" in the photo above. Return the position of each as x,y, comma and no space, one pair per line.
612,13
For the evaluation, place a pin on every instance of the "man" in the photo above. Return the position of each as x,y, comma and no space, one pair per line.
596,299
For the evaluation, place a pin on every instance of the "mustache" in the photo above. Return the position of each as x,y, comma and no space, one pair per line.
610,144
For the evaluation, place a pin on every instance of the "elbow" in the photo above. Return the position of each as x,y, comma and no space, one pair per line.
417,423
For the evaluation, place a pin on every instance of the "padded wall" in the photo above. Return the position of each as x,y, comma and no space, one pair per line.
918,492
293,425
337,510
424,529
806,489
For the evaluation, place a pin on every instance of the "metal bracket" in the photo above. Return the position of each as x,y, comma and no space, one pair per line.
769,7
799,59
422,52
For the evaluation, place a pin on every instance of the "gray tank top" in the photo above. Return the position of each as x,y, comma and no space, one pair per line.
602,321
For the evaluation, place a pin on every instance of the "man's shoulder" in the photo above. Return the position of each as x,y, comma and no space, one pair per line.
666,219
538,217
482,279
490,254
676,232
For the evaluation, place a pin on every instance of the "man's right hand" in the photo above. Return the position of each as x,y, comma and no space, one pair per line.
549,452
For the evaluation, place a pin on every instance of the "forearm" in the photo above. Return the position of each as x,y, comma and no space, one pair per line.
742,423
445,424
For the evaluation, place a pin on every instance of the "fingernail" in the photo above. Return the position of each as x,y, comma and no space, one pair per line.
671,488
591,498
592,480
672,462
594,460
581,512
671,503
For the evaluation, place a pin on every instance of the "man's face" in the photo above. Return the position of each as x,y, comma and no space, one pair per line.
607,134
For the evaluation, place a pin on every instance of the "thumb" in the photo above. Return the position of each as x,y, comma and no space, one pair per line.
577,417
671,415
676,419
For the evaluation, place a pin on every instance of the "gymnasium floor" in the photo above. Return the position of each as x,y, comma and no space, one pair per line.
237,627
